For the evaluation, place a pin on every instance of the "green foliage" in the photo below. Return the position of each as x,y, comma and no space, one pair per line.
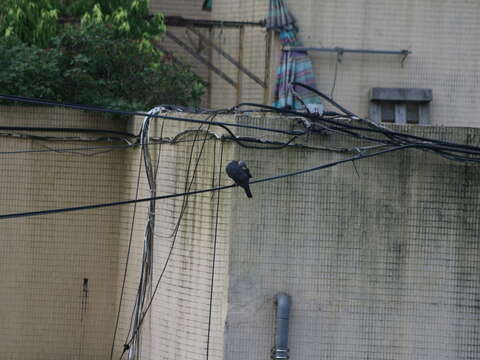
99,69
28,70
107,59
128,19
36,21
78,8
33,22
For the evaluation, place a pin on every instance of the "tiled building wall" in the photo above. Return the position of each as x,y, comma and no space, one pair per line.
380,264
188,240
58,273
47,309
383,264
442,36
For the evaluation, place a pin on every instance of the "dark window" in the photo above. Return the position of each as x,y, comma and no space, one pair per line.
412,112
388,111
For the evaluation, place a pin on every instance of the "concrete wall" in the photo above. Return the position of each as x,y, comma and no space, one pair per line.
45,312
178,323
381,265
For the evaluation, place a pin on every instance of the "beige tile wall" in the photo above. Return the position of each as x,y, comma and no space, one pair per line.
441,34
380,265
45,313
185,8
383,264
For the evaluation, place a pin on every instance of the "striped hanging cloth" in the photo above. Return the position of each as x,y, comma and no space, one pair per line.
294,65
207,5
279,17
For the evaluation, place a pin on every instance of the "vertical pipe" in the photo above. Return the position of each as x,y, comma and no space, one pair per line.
241,42
280,349
209,74
268,64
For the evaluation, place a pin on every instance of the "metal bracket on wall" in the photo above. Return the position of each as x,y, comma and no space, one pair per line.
200,58
340,56
238,64
340,51
181,21
192,26
175,60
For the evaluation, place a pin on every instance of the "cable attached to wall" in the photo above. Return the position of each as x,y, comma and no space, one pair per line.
144,287
141,113
125,271
214,257
136,323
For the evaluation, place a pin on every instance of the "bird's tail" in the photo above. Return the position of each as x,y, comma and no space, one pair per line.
248,192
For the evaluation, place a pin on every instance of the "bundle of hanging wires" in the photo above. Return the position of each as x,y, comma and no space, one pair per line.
345,123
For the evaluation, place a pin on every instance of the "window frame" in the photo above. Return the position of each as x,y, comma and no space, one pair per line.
401,97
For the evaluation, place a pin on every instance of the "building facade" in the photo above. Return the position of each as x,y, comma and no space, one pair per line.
441,36
383,264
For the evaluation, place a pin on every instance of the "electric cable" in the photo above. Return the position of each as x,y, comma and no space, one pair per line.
394,138
214,257
140,113
240,140
146,271
330,100
275,145
187,187
66,130
202,191
74,150
344,128
127,258
376,127
384,130
328,122
432,145
188,193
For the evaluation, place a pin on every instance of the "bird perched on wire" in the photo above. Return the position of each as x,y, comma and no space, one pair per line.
240,173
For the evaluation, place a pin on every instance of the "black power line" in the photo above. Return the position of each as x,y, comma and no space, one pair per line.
69,130
125,270
143,114
196,192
